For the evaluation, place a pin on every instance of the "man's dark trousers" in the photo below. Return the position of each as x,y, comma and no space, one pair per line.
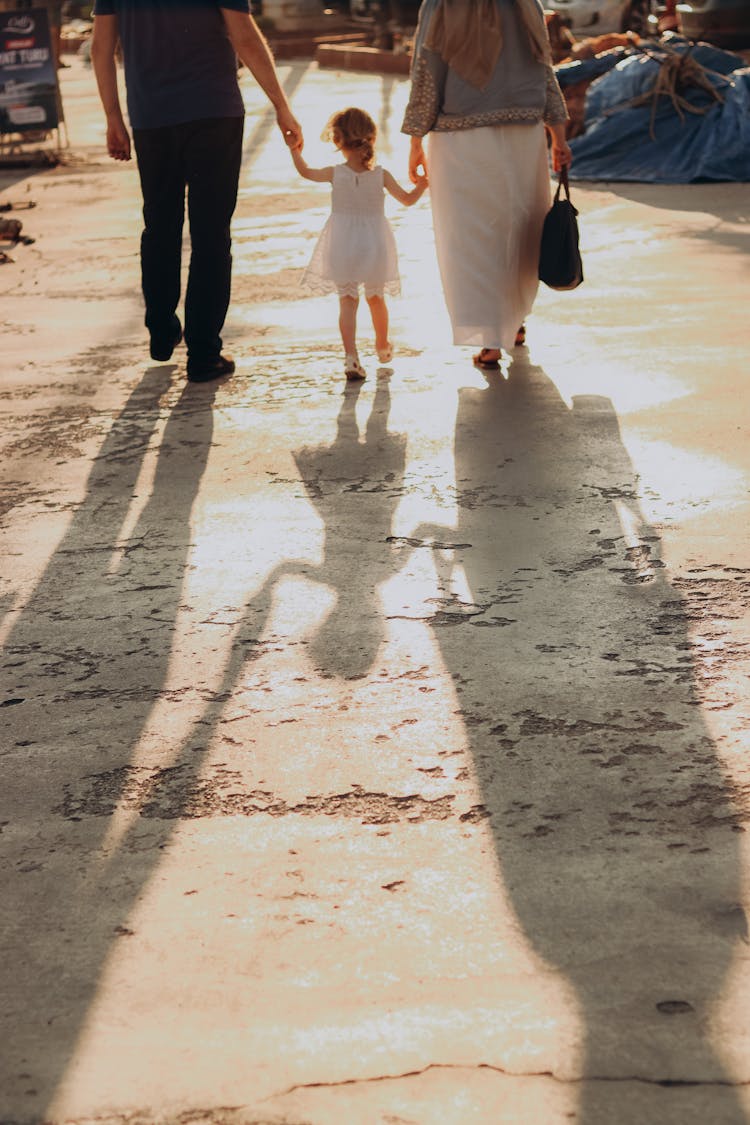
203,157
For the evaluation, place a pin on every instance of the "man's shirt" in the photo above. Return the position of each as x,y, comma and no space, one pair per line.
179,62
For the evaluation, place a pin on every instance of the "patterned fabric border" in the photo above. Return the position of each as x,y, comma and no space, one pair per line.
423,111
490,117
555,108
424,102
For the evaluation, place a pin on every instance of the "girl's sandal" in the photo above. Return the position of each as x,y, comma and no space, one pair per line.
488,359
385,355
521,336
353,369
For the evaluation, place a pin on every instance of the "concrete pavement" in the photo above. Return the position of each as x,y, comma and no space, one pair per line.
373,754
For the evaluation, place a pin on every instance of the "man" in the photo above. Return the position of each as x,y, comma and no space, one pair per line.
186,113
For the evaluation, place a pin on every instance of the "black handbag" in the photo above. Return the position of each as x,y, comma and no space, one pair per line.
560,264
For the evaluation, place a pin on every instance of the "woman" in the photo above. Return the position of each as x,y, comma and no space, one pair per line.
484,87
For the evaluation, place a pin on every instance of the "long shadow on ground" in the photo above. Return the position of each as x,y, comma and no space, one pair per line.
612,818
84,666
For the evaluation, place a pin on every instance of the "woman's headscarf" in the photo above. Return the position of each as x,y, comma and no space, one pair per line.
468,34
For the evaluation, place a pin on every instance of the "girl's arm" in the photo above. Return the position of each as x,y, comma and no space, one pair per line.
399,193
317,175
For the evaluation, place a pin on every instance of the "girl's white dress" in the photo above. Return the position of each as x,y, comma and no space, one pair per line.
356,246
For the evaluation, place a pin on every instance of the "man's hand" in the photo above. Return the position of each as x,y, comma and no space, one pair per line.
103,46
118,138
291,130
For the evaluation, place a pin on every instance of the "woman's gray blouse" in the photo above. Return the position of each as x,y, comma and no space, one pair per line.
521,90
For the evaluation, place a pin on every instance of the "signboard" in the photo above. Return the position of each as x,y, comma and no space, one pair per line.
28,73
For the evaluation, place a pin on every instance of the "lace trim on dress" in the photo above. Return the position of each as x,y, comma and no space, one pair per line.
323,285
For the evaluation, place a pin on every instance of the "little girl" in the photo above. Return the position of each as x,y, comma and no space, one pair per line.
356,245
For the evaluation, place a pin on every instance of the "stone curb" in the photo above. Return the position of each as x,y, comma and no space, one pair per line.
306,46
282,46
368,59
340,52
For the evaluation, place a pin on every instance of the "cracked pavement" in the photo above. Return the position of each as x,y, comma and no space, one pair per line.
373,754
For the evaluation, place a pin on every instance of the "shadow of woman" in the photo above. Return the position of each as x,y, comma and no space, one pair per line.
611,815
89,657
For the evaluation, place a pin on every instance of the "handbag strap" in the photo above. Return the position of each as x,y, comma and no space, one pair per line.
562,182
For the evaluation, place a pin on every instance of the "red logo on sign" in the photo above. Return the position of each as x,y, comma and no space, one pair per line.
19,44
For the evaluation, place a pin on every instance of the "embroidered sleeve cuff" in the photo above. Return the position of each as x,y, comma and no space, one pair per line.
424,101
555,108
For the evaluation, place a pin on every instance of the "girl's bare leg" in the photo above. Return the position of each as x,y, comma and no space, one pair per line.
379,314
348,324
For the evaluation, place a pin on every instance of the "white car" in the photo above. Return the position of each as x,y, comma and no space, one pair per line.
591,17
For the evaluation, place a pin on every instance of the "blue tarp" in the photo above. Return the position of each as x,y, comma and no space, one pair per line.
617,143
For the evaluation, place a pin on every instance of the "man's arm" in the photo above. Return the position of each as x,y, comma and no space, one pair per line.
103,44
255,53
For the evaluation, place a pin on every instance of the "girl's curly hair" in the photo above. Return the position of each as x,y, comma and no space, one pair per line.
353,128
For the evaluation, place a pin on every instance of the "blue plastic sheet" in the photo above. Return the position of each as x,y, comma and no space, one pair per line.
588,69
617,143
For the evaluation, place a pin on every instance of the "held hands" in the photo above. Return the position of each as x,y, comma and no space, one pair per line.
421,183
291,130
295,151
417,160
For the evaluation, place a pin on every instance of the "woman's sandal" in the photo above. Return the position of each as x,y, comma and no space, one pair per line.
488,359
353,369
520,336
385,355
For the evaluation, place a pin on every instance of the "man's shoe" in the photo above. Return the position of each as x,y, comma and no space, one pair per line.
204,370
163,344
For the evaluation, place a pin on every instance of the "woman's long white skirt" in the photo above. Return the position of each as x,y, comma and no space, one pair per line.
490,192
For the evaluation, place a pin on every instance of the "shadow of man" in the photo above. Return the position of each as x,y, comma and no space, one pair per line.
88,659
357,516
611,815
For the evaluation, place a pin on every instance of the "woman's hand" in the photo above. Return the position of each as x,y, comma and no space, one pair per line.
562,157
417,161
